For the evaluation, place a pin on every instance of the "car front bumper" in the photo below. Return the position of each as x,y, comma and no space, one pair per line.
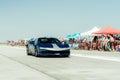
43,52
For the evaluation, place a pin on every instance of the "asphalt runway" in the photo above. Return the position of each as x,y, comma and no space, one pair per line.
81,65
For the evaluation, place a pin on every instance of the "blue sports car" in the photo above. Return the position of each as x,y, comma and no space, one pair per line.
45,46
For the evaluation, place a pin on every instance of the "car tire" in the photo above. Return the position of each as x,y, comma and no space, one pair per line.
67,56
28,53
36,53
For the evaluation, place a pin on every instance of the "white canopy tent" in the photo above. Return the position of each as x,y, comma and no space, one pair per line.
89,33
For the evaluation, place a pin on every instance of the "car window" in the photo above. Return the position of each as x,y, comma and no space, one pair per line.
43,40
53,40
49,40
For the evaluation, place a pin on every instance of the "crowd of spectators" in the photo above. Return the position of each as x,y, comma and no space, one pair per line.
100,43
17,43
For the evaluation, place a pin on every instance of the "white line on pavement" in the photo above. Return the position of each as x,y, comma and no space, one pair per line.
98,57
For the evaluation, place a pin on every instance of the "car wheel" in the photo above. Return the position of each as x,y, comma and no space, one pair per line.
67,56
36,53
28,52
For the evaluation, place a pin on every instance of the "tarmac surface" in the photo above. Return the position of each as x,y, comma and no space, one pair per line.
81,65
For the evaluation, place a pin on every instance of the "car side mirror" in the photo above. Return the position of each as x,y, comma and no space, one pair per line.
32,42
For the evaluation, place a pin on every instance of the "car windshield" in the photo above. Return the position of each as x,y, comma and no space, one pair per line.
49,40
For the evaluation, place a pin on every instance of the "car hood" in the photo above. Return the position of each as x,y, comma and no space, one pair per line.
55,47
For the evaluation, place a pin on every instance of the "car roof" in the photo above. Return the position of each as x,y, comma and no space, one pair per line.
46,37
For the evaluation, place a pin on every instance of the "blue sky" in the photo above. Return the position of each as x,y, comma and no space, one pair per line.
34,18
